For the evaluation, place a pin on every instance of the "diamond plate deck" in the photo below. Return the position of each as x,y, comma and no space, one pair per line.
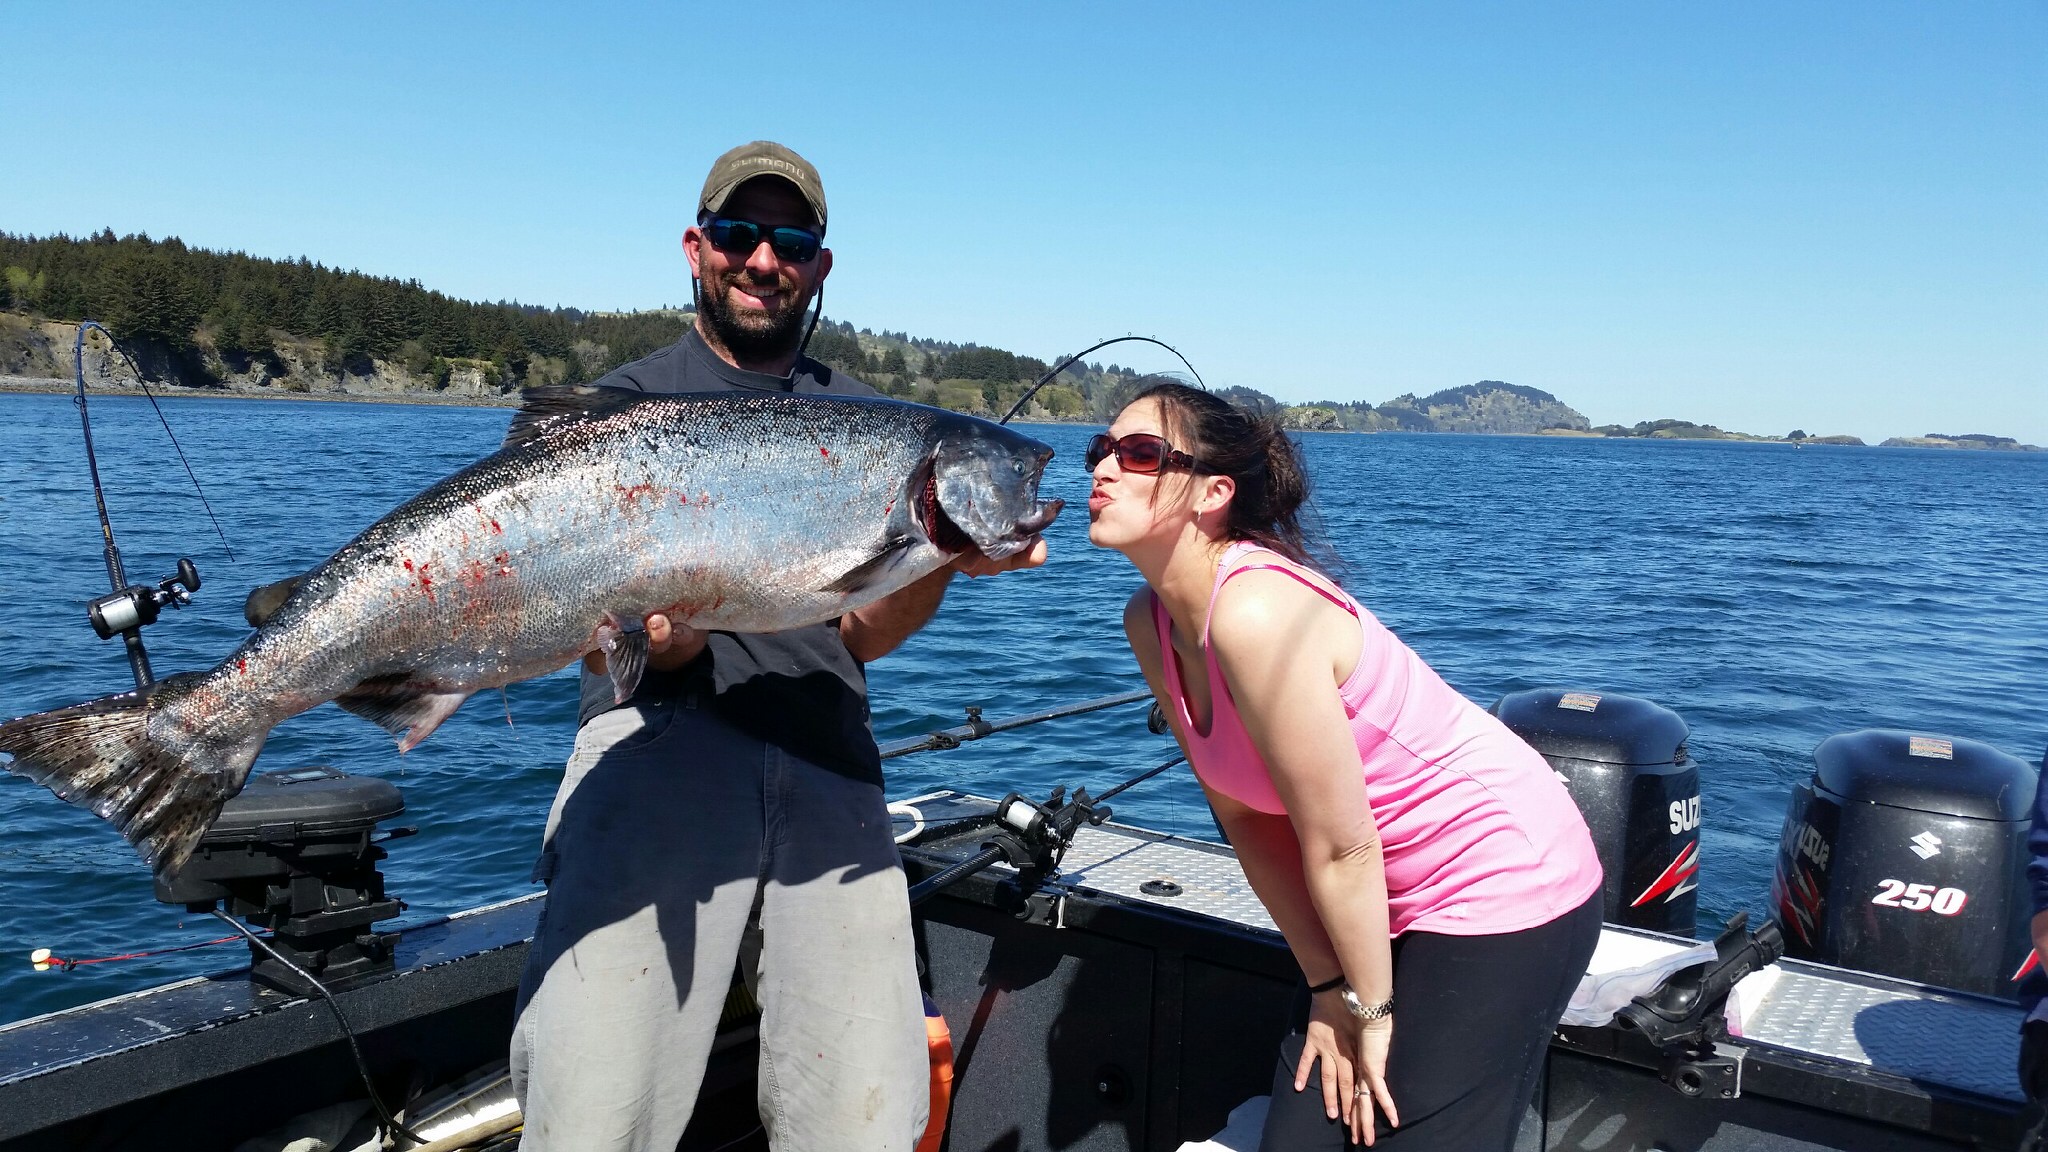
1120,860
1966,1044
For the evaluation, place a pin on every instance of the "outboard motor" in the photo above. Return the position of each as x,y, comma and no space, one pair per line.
1905,854
296,852
1624,761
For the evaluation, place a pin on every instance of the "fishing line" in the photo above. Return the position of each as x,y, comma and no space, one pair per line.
93,464
43,958
362,1067
1141,777
1069,361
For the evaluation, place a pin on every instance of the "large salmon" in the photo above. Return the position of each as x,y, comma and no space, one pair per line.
736,512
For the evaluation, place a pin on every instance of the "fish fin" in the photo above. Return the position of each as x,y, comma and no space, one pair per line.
625,645
399,704
264,602
872,570
540,407
162,789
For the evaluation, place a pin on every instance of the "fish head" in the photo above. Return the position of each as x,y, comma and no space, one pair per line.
981,490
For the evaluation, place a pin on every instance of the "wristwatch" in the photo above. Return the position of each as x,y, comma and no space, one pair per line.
1379,1011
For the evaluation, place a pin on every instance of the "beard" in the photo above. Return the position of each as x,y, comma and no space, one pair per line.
752,335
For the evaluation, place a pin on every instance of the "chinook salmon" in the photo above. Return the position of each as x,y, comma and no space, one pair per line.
743,513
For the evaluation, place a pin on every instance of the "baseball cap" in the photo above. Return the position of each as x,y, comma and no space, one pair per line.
762,158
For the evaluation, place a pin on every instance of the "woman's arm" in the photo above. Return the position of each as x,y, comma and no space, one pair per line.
1270,855
1266,847
1283,649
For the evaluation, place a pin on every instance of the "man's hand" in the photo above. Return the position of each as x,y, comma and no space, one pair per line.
669,645
873,632
973,563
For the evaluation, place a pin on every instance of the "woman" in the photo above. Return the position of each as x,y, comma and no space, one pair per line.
1413,851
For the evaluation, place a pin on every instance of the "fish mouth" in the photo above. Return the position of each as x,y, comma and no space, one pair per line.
1041,518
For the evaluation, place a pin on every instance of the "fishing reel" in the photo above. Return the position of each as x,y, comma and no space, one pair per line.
140,604
1028,836
1034,837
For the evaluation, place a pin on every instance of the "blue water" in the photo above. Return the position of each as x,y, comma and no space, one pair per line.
1771,596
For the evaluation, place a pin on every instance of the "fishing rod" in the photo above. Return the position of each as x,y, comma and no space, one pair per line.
1071,360
125,612
128,608
976,728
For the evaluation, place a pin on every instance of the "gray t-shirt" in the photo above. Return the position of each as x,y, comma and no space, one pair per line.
800,690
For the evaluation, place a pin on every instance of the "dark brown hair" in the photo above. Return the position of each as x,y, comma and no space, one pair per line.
1252,449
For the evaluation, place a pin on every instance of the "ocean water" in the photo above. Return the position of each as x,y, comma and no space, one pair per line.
1771,596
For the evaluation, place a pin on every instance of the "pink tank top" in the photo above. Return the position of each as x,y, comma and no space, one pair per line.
1478,833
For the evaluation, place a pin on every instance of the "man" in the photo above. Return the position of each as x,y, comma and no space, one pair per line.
2033,991
740,781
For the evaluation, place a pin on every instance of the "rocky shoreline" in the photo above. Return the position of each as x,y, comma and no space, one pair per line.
105,387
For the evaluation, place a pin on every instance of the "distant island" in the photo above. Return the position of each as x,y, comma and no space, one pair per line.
1976,440
230,324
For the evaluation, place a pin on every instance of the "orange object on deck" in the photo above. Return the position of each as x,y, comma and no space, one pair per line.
938,1041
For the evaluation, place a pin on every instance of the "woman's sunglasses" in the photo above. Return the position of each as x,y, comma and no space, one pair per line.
742,237
1138,452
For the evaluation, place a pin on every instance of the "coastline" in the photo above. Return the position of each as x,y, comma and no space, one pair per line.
54,386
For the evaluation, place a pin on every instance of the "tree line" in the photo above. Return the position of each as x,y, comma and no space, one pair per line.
176,297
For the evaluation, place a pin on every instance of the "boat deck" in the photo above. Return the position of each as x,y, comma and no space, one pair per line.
1931,1036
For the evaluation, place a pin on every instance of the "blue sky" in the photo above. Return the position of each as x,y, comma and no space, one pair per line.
1764,216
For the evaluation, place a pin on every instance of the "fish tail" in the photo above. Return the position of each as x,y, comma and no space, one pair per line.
151,762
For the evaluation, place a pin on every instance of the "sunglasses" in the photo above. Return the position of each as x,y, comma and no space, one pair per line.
742,237
1140,452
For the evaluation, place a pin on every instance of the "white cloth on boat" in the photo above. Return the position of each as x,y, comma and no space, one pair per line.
1625,967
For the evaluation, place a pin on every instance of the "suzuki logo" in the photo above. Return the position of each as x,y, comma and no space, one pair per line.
1926,845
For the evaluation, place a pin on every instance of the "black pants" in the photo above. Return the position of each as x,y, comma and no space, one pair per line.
1472,1020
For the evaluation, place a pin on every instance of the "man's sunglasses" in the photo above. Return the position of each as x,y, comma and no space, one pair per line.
1138,452
742,237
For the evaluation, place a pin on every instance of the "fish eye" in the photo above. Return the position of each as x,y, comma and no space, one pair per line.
1017,466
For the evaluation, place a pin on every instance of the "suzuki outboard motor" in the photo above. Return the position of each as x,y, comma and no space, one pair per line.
1624,761
1905,854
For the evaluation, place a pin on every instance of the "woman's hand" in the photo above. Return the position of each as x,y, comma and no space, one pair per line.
1369,1076
1353,1058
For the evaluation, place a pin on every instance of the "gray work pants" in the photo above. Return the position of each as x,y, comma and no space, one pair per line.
670,828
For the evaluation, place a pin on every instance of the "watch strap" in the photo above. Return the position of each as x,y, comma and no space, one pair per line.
1362,1011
